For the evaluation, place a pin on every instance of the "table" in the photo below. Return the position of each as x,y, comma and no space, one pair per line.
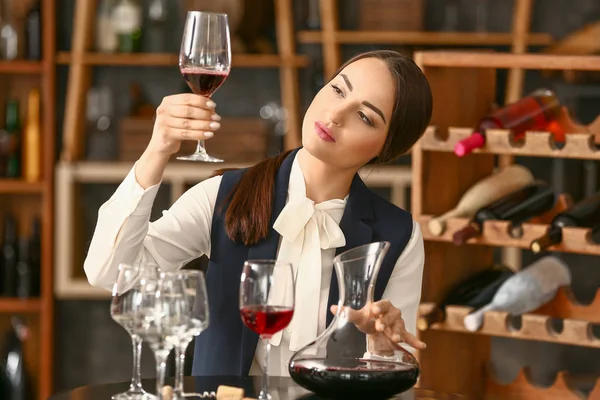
281,389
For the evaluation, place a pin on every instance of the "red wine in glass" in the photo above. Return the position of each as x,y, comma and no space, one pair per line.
266,320
203,81
260,308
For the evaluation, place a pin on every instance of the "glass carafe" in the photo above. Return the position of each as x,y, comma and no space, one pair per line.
337,364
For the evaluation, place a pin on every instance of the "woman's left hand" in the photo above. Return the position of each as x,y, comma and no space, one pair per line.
383,324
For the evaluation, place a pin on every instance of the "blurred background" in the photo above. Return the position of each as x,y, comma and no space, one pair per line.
97,81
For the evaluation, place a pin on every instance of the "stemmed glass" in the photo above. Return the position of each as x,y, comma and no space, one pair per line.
162,315
266,303
196,299
123,311
204,61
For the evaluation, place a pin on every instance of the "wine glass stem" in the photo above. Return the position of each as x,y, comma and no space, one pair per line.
161,366
200,146
136,380
179,366
264,393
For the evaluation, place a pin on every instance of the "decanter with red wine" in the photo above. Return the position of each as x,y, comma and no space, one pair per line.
337,364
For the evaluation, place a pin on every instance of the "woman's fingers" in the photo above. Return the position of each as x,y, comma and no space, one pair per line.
192,124
184,134
192,113
412,341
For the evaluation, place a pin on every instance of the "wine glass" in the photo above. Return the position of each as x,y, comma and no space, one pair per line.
204,61
197,308
162,315
123,312
266,303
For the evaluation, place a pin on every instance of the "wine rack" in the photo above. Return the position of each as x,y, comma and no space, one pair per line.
456,360
535,144
522,388
502,233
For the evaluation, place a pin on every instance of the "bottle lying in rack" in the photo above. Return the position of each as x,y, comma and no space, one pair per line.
584,214
533,112
516,207
525,291
483,193
475,291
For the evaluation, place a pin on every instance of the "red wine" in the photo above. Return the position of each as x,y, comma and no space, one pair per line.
203,81
367,379
266,320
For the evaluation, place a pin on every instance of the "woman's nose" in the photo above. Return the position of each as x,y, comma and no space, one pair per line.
336,116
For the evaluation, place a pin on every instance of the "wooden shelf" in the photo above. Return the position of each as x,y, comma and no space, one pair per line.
500,141
19,186
533,327
425,38
498,234
21,67
19,306
466,59
171,60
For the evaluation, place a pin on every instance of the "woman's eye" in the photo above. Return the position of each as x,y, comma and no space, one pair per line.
337,90
365,118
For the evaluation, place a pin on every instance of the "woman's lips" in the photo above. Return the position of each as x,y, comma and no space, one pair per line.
324,132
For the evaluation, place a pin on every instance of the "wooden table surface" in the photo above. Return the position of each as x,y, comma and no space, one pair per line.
281,389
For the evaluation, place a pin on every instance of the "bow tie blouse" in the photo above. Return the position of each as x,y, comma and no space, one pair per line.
310,235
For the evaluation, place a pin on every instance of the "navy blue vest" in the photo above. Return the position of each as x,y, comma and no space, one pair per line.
227,346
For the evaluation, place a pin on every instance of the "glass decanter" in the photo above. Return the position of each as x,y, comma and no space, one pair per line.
337,364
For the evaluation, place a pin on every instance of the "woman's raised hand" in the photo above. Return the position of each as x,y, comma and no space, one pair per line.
182,117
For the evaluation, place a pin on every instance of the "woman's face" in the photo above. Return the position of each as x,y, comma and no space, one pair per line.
347,122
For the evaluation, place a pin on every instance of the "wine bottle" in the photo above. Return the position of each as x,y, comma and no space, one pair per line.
106,37
34,249
584,214
525,291
127,22
13,127
32,146
15,382
484,192
516,207
475,291
9,38
33,32
9,257
156,33
533,111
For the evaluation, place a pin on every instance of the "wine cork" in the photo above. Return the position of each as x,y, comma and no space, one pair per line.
167,392
230,393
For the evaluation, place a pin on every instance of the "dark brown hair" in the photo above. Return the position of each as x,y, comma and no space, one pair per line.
248,216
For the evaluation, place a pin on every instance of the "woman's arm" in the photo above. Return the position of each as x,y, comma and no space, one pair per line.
125,235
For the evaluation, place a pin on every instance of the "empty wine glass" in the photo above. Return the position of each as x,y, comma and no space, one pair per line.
197,308
122,310
264,310
162,314
204,61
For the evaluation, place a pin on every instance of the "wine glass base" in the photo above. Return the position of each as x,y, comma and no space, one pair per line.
203,157
195,396
264,396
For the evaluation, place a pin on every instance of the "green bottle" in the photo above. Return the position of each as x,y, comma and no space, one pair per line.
13,127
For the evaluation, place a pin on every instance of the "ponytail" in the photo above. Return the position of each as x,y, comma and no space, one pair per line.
248,216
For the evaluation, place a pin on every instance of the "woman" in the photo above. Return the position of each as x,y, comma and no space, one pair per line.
304,206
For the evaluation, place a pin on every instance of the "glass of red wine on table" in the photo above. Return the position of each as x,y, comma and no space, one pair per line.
267,295
204,61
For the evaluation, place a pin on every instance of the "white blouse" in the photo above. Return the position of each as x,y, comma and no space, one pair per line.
309,232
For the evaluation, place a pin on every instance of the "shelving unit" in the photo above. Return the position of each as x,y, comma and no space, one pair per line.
456,360
331,37
28,199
